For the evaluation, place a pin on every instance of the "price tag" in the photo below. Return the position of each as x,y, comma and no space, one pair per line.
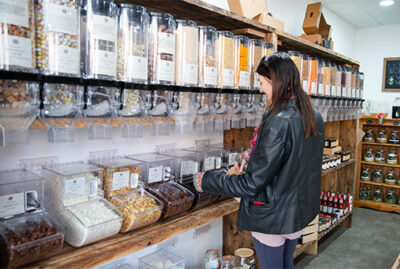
120,180
92,188
209,163
12,204
155,174
134,180
74,187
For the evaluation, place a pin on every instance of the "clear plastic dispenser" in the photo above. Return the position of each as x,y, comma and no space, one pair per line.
182,111
222,120
207,56
161,259
157,106
251,110
242,63
18,109
131,116
238,111
62,108
226,59
204,121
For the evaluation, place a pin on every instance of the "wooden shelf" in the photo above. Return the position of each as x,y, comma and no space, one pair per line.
378,206
381,144
321,235
381,164
340,166
380,184
123,244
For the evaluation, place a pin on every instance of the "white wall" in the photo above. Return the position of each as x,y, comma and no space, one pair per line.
374,44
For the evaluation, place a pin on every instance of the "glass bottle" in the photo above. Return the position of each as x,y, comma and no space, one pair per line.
394,138
365,174
242,64
369,156
227,262
211,260
380,156
392,157
226,59
207,56
391,197
369,137
390,178
377,195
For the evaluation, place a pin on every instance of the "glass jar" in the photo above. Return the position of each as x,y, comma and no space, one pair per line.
378,193
320,77
186,53
255,55
380,156
211,260
226,59
99,38
162,49
313,83
394,138
296,57
207,56
305,72
227,262
244,258
133,35
62,107
381,137
369,156
333,80
242,68
369,137
269,49
390,179
391,197
327,79
366,174
17,36
338,83
392,157
57,37
377,176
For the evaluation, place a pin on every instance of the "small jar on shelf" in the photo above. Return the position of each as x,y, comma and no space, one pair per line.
380,156
228,262
369,136
378,194
377,176
390,178
393,139
392,157
381,137
391,197
369,156
211,260
366,174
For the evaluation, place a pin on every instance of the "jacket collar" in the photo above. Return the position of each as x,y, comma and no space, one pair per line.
291,103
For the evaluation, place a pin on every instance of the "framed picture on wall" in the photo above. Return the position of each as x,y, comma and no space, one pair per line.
391,75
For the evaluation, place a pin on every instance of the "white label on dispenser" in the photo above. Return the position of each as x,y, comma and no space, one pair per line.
321,88
231,158
189,168
63,19
305,85
155,174
137,67
314,88
338,93
166,43
120,180
105,63
228,75
134,180
190,74
17,51
74,187
244,79
166,70
209,163
256,81
12,204
92,188
218,162
328,89
14,12
353,92
65,60
210,75
104,28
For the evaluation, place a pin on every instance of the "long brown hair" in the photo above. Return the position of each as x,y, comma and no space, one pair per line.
280,68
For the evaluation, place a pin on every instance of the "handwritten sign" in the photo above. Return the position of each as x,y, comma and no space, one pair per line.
391,75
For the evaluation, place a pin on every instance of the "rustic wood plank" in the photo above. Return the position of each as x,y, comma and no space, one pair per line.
123,244
251,33
378,206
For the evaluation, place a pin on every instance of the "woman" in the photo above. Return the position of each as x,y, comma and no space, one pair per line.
281,186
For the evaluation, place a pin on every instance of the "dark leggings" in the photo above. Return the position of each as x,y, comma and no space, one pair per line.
275,257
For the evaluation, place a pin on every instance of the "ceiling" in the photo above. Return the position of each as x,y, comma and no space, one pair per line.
365,13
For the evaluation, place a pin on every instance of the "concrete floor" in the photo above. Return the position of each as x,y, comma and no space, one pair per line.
372,242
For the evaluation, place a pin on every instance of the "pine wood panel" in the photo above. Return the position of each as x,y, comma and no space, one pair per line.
379,206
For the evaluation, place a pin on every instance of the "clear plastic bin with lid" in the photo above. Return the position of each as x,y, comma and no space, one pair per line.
242,63
74,195
204,121
222,119
27,232
131,116
256,49
238,111
183,111
161,259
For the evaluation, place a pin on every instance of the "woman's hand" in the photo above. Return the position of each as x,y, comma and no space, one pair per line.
240,166
241,161
197,181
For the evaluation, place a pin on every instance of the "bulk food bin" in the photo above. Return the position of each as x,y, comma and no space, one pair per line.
251,110
161,259
222,120
74,199
242,63
207,56
238,111
27,232
182,111
225,59
204,121
131,116
157,110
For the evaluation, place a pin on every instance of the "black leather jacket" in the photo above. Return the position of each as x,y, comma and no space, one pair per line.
284,172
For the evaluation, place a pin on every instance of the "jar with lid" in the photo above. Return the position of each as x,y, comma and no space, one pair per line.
227,262
392,157
333,80
381,137
162,49
369,156
226,59
186,53
325,163
313,76
99,38
305,72
393,139
327,79
320,77
391,197
338,84
133,35
244,258
380,156
211,260
255,54
369,137
377,176
17,36
296,57
242,63
269,48
390,179
378,193
57,37
366,174
207,56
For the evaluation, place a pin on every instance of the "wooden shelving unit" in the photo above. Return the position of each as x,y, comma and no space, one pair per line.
321,235
389,125
340,166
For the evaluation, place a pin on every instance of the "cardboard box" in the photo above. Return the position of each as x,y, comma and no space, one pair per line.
309,238
324,28
312,19
266,19
332,151
248,8
314,221
315,38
